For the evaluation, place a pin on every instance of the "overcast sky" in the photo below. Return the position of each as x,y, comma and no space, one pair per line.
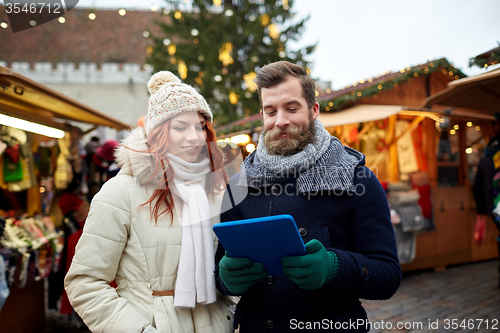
359,39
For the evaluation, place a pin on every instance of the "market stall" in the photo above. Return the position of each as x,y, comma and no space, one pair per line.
425,156
37,131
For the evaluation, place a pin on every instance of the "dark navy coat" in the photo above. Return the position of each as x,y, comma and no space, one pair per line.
356,226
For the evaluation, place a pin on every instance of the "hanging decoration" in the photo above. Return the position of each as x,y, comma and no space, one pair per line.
264,20
251,85
171,49
182,69
225,54
274,31
233,97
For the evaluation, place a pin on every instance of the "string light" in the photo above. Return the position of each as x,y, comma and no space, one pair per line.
469,124
61,20
468,150
122,12
154,8
4,25
92,16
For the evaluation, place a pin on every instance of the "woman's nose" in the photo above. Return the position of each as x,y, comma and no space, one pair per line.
192,135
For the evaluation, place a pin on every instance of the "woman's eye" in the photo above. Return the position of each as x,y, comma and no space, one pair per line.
178,128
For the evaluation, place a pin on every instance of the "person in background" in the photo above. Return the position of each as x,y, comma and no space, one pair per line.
483,187
150,227
338,205
90,149
102,167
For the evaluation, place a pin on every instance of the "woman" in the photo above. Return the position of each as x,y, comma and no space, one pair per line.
150,227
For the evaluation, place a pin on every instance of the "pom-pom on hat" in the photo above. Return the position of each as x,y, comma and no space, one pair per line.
170,97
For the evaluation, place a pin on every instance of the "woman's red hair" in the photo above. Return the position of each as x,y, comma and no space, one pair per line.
162,198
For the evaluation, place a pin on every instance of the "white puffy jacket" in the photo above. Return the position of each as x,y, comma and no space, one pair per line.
120,241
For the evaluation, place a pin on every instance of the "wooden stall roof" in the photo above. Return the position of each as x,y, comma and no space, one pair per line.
481,92
26,99
358,114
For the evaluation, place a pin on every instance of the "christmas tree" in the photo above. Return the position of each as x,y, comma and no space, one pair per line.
218,46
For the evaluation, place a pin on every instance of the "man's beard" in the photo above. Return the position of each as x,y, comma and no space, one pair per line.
297,140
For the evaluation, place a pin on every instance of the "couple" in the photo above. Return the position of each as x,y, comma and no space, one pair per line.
149,228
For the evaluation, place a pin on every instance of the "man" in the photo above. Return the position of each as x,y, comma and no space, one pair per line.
338,205
484,189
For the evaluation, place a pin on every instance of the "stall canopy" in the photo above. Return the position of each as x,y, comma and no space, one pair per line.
481,92
358,114
26,99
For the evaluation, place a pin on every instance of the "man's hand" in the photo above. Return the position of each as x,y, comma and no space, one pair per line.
313,270
238,274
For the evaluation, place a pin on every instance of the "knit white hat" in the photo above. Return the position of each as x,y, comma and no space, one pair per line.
170,97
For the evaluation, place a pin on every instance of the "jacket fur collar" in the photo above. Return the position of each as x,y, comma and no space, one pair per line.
136,161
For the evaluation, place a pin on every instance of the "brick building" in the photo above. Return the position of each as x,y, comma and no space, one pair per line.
99,62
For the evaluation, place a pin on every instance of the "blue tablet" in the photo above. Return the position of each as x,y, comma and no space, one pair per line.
266,240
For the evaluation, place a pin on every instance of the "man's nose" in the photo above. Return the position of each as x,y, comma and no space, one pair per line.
281,119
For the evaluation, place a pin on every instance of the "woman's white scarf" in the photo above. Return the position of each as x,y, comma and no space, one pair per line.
195,273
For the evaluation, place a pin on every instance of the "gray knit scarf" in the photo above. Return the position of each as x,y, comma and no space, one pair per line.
299,162
323,165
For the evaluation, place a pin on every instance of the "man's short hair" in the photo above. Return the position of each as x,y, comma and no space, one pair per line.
278,72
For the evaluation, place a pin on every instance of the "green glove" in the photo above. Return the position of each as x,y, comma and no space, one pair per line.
238,274
313,270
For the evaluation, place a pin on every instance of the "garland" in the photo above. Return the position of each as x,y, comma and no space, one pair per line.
427,69
491,58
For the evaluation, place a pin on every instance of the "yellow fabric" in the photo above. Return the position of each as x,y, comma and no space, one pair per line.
496,160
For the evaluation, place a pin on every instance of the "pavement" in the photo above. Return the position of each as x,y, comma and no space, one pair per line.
463,298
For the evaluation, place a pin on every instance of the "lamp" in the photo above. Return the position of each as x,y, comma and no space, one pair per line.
31,127
240,139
